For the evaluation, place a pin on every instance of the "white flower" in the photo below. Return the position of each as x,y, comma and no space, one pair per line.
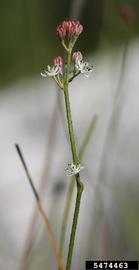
84,68
73,169
51,71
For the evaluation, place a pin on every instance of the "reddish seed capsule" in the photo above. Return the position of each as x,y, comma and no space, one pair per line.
67,25
75,29
77,56
61,32
71,32
78,28
58,61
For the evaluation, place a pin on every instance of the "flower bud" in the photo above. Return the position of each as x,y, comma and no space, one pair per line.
58,61
61,32
78,28
77,56
67,26
71,32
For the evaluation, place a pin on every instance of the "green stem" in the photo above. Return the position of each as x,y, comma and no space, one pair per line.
83,147
68,111
75,161
74,224
66,215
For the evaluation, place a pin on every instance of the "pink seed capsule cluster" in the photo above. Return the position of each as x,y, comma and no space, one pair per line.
71,29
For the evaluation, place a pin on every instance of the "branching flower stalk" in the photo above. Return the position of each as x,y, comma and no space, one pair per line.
75,161
63,74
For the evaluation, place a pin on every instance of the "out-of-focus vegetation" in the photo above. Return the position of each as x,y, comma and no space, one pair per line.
28,41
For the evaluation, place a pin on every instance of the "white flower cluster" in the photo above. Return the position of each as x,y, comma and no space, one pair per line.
52,71
80,65
84,68
57,69
73,169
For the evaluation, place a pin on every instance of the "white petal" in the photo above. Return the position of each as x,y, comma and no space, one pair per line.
43,74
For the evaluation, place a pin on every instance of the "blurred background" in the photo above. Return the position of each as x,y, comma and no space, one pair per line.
32,113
